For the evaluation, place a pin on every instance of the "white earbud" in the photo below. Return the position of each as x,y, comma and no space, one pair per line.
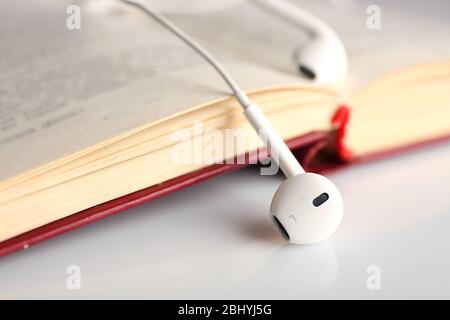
324,58
307,207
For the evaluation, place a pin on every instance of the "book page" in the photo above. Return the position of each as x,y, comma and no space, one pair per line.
63,90
409,33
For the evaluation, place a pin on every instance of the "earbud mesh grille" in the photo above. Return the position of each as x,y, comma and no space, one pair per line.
280,228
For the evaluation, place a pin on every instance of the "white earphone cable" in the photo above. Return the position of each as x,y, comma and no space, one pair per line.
279,150
238,92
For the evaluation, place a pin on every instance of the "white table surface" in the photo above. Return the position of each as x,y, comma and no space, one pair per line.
215,240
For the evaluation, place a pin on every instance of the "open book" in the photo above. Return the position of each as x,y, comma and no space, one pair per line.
88,117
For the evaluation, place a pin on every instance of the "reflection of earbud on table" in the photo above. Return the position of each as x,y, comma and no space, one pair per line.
324,58
292,271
